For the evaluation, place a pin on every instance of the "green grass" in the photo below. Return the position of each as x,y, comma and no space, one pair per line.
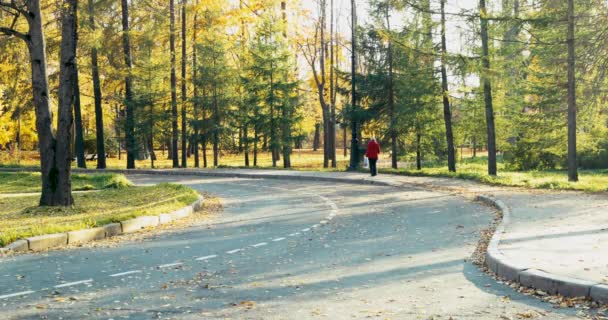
26,182
476,170
20,216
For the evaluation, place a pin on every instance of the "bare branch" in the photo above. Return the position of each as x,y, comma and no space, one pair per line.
13,6
13,33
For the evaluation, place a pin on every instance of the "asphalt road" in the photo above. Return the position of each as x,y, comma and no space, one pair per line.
281,250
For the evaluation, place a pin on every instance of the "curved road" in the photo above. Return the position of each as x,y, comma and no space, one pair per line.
281,250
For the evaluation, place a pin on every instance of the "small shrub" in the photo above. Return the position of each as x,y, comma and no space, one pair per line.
118,182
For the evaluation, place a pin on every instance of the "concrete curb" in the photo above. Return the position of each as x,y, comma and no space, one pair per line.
55,240
534,278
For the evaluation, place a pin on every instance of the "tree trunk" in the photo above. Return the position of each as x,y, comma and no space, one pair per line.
572,162
101,150
332,88
246,144
391,94
117,130
130,121
418,152
62,193
474,147
184,97
255,147
354,144
345,142
55,175
196,97
487,90
447,113
216,137
174,131
81,161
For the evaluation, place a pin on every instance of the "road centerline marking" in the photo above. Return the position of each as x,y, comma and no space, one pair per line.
125,273
206,257
233,251
278,239
75,283
261,244
16,294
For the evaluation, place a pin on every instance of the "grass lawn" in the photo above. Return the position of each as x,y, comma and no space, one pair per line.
26,182
468,168
20,217
589,180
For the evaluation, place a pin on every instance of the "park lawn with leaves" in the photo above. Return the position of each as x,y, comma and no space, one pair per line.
20,216
29,182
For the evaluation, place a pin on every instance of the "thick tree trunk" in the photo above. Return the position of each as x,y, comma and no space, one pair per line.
130,121
487,90
418,152
101,150
81,161
174,131
62,194
447,113
54,165
184,97
572,161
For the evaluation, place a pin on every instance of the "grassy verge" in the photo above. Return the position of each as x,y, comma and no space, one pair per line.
589,180
20,217
26,182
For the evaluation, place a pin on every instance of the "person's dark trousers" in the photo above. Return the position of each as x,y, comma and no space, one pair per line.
372,167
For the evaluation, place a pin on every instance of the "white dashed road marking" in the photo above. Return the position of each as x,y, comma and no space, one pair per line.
278,239
75,283
206,257
125,273
18,294
233,251
261,244
294,234
306,230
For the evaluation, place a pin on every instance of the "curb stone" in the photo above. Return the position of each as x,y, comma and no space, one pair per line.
113,229
136,224
47,241
18,246
86,235
534,278
54,240
599,293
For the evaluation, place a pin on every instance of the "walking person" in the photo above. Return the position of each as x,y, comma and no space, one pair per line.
373,150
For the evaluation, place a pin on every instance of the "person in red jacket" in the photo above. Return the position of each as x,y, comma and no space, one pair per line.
373,150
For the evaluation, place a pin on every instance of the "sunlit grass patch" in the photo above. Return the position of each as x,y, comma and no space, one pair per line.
20,217
26,182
